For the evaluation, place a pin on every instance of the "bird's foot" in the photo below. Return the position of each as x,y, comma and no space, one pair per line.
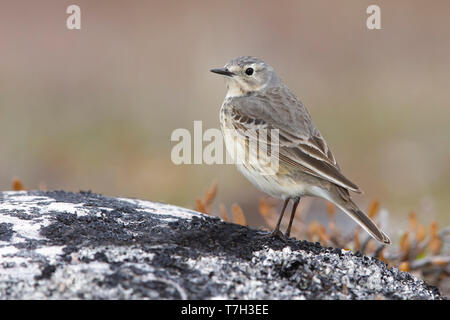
287,234
277,234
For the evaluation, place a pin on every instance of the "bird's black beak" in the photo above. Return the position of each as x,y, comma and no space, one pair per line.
223,71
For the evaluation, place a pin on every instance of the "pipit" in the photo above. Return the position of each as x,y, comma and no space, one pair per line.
257,99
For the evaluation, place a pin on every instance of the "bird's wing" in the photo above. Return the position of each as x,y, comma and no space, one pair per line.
301,146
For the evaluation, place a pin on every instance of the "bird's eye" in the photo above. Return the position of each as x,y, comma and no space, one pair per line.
249,71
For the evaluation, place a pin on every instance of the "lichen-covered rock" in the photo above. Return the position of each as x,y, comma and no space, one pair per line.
63,245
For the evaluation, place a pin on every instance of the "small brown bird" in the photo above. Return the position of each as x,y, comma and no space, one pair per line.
257,99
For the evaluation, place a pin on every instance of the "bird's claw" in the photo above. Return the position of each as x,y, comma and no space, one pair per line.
277,234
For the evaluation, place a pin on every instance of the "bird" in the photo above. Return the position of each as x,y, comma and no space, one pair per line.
257,100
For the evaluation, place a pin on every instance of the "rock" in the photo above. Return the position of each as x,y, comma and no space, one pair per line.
63,245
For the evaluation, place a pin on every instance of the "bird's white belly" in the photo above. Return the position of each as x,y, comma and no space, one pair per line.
280,187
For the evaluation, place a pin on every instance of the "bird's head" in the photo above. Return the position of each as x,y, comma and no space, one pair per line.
247,74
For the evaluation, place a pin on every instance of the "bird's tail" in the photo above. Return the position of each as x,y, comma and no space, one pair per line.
350,208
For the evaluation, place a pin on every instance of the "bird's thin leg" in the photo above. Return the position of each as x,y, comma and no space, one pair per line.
276,231
294,209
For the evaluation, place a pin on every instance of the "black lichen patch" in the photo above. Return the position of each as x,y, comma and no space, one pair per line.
153,288
46,272
68,229
6,231
203,236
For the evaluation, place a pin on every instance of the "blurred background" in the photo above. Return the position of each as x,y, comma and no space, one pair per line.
94,109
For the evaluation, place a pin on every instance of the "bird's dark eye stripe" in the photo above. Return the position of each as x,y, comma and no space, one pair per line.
249,71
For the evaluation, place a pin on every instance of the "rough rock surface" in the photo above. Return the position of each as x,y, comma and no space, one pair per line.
62,245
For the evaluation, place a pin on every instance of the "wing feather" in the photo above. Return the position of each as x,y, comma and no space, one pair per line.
300,149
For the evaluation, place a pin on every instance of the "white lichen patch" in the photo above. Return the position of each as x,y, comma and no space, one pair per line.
24,229
163,209
73,208
52,253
